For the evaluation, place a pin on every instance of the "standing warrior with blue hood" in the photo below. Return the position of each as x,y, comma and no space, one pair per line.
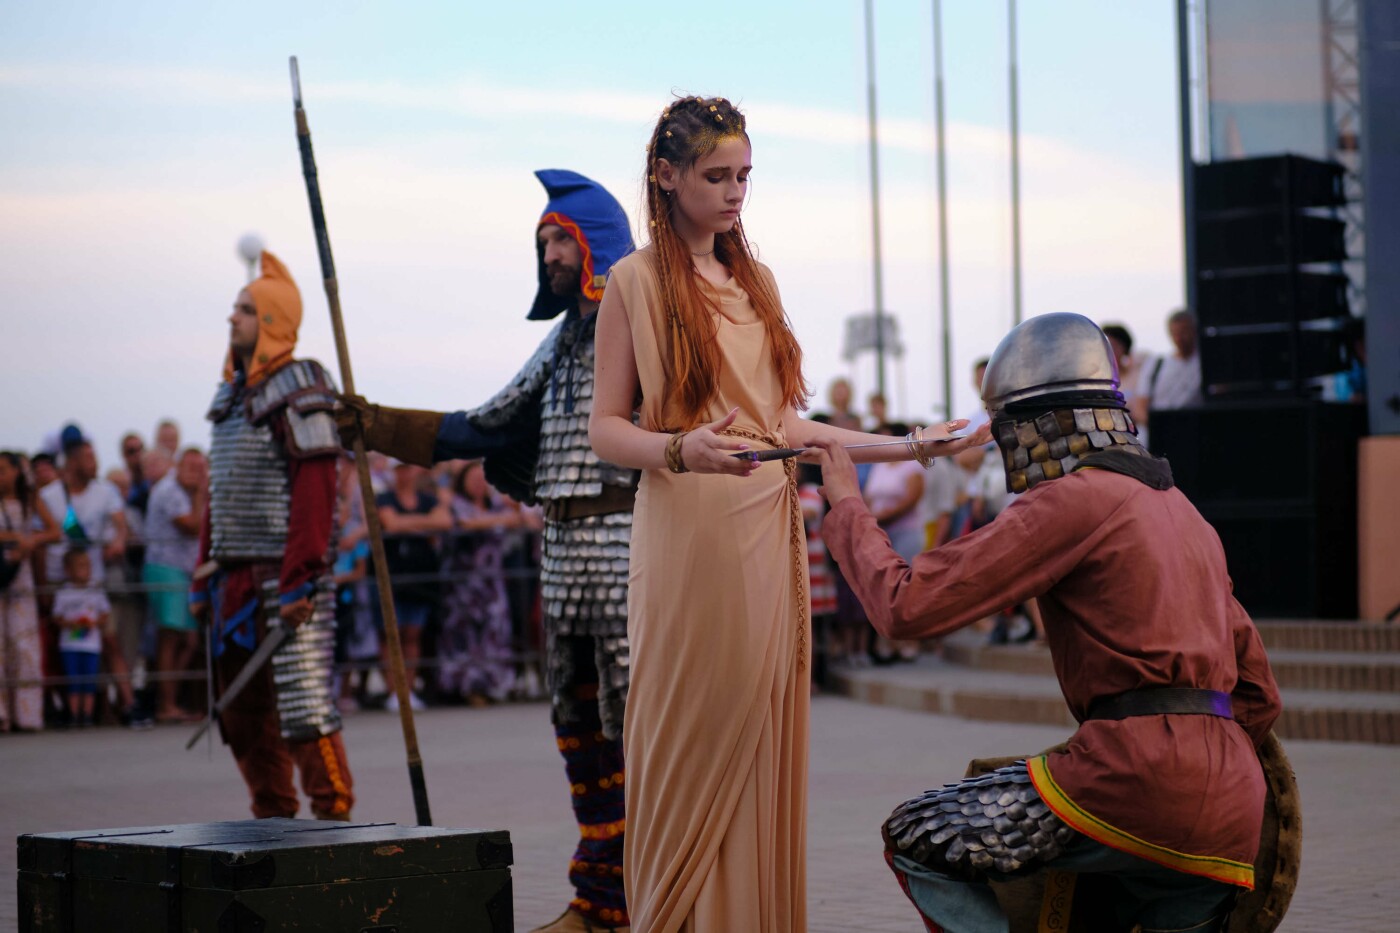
534,436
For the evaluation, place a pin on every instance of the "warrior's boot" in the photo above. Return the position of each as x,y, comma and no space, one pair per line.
571,921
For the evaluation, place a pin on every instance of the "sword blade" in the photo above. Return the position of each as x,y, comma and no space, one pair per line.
275,636
783,453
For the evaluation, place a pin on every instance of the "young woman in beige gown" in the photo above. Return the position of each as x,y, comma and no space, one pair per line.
692,335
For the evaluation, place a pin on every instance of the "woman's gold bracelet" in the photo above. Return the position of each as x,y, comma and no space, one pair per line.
915,440
674,462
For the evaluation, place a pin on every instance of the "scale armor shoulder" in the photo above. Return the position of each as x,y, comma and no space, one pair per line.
517,407
303,394
521,398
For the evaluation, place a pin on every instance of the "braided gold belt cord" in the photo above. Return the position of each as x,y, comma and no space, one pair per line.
799,553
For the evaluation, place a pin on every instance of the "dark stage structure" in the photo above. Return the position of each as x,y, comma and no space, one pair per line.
1290,124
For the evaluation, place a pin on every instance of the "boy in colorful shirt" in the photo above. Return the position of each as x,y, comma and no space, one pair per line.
80,610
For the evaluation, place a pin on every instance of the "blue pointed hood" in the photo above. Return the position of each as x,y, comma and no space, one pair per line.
593,218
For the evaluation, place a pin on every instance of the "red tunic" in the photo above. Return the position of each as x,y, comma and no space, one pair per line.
1133,587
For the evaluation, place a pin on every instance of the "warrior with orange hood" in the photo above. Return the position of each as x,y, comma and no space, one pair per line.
268,530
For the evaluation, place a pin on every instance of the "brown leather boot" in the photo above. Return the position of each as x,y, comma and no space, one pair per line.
335,817
571,921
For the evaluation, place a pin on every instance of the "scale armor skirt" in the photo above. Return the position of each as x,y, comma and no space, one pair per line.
995,822
303,666
583,575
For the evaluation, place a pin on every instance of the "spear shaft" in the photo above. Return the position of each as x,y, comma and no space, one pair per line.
376,533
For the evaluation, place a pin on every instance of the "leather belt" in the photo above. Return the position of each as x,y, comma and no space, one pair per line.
611,499
1154,701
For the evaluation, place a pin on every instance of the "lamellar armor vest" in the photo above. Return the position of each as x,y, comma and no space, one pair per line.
249,491
249,509
554,391
583,573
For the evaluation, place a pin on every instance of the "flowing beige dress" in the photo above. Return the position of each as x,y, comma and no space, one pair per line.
716,726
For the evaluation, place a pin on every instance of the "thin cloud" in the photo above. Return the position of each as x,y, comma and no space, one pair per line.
472,97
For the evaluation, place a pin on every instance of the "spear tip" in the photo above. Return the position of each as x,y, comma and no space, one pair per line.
296,82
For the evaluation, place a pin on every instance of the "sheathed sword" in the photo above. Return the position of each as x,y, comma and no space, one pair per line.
276,634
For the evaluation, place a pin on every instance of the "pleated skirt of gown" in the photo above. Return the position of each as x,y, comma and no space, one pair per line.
716,733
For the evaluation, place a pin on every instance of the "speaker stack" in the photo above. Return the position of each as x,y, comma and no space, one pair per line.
1271,466
1271,300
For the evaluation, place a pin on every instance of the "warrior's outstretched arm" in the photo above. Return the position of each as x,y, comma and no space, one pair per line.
510,418
459,439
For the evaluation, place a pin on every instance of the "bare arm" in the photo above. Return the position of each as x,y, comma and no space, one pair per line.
397,523
802,432
913,492
616,386
29,541
117,546
189,523
354,574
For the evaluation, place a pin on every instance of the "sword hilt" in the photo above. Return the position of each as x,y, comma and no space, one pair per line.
763,456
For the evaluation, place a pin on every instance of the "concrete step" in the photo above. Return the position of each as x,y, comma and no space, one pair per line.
936,685
1344,670
1329,635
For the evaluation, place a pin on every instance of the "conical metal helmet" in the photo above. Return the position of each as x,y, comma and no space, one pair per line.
1051,355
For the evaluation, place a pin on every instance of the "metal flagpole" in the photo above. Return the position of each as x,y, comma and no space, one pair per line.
376,534
1188,160
875,198
1015,170
945,314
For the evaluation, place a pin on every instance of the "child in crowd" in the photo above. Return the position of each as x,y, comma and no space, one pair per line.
80,610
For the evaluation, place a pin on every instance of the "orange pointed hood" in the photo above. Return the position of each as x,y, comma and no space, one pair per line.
278,302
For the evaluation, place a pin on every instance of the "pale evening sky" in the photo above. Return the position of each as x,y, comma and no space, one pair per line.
142,139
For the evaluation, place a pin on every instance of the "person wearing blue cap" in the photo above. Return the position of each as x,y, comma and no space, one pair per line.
534,436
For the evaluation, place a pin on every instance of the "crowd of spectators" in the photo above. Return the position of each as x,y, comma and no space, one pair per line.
95,571
95,568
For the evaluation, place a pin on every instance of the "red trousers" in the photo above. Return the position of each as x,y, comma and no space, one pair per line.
251,729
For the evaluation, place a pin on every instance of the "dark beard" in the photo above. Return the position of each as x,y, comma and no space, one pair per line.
563,280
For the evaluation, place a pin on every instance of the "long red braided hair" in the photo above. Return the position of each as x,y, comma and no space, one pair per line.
687,131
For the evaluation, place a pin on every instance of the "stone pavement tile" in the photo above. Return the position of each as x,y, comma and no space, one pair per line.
498,768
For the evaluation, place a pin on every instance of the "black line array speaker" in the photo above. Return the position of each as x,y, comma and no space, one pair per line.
1270,297
1277,480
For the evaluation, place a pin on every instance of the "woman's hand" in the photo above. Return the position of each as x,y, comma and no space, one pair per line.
979,438
705,450
839,480
294,614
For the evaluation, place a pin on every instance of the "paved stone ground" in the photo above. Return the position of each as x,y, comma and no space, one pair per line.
497,768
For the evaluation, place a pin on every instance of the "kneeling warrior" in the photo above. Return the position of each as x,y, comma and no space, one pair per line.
534,436
272,500
1160,788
